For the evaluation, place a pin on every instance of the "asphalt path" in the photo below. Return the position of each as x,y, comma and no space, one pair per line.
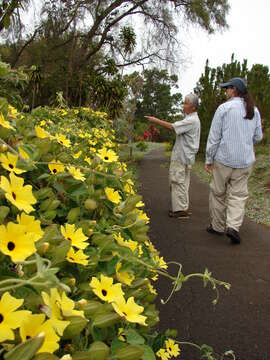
241,319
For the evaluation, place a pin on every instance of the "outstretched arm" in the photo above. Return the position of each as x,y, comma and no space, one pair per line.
162,123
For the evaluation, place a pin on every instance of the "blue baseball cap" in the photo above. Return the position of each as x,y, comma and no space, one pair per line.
237,82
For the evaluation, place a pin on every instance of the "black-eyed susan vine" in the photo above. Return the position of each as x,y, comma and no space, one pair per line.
77,268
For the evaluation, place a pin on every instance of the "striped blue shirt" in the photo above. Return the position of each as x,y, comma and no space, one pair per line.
232,137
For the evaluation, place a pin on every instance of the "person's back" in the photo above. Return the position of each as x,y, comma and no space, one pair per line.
235,128
238,134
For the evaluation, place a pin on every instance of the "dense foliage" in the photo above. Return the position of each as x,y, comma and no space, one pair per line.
211,95
81,47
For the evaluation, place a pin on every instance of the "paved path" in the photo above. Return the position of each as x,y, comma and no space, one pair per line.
241,319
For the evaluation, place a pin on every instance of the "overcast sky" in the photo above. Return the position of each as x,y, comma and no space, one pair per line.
247,37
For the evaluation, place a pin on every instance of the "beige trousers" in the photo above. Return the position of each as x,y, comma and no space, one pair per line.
179,178
228,196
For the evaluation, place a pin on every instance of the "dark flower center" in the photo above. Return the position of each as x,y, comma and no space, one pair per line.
28,337
1,318
104,292
11,246
106,158
69,239
54,171
71,258
11,166
13,195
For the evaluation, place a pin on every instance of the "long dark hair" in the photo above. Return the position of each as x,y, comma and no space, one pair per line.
249,103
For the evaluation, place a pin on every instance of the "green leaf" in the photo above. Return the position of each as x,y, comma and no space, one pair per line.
134,338
148,353
116,344
111,266
44,176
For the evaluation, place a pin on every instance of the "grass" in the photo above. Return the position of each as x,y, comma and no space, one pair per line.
258,204
137,154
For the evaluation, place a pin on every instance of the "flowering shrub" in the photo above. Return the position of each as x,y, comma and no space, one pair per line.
76,265
151,134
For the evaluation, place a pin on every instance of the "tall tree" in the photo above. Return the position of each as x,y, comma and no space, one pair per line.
259,86
158,97
78,43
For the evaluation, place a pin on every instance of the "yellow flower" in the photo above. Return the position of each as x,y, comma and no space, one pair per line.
16,242
121,334
162,353
160,262
88,160
77,155
150,246
77,238
92,142
77,257
35,324
105,289
12,111
42,123
142,216
140,250
152,289
76,173
76,111
10,319
9,163
56,167
130,310
139,204
62,140
5,123
123,276
132,245
172,347
41,133
57,307
107,155
93,149
19,195
112,195
32,226
23,154
128,189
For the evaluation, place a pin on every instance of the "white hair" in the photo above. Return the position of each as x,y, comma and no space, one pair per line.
192,100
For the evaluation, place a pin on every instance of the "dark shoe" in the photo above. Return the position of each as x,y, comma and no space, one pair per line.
233,235
210,230
179,214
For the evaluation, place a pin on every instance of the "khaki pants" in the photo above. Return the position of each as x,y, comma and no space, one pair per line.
228,196
179,178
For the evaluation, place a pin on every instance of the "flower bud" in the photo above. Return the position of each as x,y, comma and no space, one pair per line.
3,148
98,351
77,324
90,204
82,303
73,215
43,248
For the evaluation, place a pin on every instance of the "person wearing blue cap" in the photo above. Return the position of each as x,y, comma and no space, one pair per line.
235,128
